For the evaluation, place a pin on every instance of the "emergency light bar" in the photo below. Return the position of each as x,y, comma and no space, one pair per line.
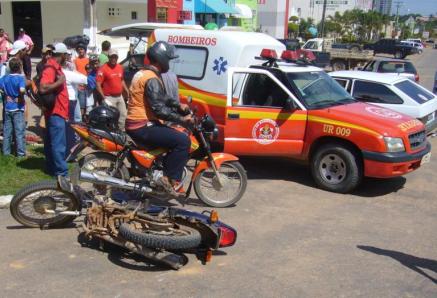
269,54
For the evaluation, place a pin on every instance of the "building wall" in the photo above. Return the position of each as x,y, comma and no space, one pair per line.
6,21
314,8
248,24
271,17
188,5
173,7
61,19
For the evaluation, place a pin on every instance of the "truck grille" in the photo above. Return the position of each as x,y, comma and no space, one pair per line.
417,140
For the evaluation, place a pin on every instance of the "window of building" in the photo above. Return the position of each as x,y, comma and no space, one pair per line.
112,11
161,15
134,15
191,63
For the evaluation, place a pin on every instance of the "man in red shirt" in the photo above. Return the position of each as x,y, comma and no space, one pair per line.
111,85
53,81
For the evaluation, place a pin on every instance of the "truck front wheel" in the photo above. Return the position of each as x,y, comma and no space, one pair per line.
336,168
399,55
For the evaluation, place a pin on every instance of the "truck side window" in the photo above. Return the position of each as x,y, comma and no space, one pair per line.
374,92
369,67
260,90
191,63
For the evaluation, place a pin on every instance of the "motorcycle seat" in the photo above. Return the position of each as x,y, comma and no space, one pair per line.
142,146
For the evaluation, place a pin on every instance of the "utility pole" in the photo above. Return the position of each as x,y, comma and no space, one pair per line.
322,29
398,5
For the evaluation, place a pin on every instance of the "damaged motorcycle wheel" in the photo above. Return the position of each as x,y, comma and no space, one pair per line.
175,237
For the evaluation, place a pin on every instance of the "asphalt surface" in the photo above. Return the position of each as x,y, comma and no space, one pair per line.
294,241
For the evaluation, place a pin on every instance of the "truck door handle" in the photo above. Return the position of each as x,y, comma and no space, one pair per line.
233,116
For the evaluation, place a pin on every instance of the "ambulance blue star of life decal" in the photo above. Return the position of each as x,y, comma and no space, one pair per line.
220,65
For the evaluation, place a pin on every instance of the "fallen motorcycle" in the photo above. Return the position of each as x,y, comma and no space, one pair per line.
219,179
155,232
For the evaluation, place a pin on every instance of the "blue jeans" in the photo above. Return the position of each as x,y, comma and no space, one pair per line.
55,145
72,138
166,137
14,121
81,96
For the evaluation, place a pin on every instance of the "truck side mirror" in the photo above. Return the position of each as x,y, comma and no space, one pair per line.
289,104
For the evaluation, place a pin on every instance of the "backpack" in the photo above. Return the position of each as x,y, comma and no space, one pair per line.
44,101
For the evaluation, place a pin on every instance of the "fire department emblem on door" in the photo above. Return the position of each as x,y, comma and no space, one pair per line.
265,131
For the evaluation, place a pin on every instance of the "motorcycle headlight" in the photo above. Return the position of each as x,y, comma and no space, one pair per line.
394,144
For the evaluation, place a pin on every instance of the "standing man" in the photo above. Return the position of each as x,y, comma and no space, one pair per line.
80,64
104,57
111,86
27,63
53,81
4,45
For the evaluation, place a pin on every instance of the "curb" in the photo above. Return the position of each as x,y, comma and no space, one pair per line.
5,201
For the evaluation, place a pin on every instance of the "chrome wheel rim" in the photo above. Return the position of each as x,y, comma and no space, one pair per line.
332,169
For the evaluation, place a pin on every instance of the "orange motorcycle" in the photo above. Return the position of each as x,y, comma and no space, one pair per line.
219,180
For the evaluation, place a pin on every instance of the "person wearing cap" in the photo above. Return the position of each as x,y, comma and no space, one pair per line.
46,53
27,63
53,81
112,87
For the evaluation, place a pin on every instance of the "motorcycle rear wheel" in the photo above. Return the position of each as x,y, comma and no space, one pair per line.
98,162
178,237
208,190
28,204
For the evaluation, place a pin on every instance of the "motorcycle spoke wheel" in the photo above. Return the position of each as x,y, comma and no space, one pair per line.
29,205
233,179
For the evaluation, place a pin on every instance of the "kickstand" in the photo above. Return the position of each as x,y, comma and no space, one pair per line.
187,194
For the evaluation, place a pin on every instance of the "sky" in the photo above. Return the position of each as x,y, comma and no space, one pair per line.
424,7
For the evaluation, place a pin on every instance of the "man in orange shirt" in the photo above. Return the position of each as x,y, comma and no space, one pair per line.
80,63
111,85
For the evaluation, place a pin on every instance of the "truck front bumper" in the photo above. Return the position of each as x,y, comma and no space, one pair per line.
385,165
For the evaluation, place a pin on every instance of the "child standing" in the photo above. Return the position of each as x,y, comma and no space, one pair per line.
13,87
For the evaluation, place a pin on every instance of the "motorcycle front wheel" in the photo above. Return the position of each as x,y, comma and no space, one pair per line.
29,205
233,184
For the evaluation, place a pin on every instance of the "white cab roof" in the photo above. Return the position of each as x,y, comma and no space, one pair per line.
368,76
144,29
291,67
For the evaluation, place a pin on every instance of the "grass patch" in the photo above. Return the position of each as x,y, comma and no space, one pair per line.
18,172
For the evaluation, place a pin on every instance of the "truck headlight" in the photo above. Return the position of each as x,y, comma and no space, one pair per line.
394,144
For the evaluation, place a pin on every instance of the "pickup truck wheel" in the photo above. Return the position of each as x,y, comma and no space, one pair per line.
336,168
338,65
399,55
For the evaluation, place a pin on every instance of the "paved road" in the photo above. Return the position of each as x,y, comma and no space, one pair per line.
294,241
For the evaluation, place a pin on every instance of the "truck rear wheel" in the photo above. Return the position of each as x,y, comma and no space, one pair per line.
336,168
338,65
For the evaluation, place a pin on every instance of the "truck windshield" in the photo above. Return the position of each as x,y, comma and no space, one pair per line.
318,90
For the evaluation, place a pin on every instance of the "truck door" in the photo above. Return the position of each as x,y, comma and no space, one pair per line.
263,117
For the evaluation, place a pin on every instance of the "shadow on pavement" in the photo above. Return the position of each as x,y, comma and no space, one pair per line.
71,225
122,257
280,169
32,163
373,187
412,262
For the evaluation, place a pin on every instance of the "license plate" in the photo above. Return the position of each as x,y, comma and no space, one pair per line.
426,158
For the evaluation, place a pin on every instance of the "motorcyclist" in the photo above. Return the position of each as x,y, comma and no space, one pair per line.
148,109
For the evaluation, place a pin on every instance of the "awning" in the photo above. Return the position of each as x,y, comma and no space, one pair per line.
243,11
213,6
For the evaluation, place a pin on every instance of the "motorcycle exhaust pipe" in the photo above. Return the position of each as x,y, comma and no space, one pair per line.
102,179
